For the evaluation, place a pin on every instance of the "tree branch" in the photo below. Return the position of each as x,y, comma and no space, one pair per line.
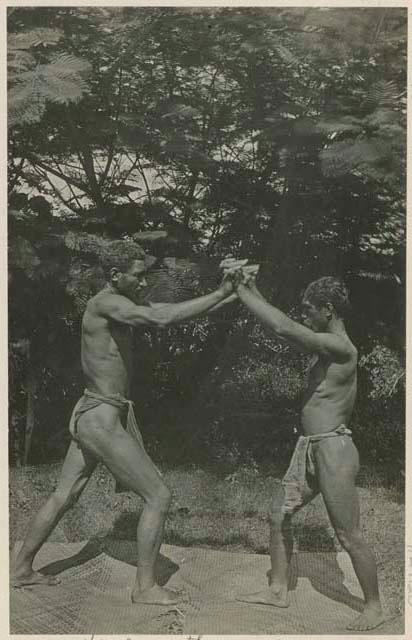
76,183
142,173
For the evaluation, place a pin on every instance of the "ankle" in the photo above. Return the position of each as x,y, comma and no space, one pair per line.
144,584
278,587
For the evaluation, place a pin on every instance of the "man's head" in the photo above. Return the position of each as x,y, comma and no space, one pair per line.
324,300
125,265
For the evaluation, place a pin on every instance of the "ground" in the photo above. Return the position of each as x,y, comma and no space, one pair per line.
218,511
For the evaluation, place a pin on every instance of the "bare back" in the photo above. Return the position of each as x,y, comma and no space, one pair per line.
331,392
106,351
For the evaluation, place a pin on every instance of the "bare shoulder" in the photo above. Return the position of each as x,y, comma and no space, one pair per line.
112,306
337,346
97,303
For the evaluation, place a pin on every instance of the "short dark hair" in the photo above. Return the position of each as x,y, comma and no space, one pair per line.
120,254
332,290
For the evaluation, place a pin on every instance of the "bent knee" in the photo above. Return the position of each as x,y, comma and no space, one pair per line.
160,499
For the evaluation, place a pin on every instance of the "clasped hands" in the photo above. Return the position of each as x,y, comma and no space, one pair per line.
236,272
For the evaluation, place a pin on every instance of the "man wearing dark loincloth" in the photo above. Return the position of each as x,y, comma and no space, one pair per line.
325,459
96,424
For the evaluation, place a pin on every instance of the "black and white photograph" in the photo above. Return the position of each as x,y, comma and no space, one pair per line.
207,285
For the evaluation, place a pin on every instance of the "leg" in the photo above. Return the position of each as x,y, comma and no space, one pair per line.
131,466
280,549
77,469
337,464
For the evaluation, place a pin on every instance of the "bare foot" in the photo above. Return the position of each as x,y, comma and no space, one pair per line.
155,595
267,596
21,580
370,618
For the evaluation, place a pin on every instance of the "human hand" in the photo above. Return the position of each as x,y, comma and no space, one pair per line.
227,286
248,275
232,273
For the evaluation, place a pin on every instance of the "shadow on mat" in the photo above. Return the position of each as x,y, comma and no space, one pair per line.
118,545
91,550
325,576
125,551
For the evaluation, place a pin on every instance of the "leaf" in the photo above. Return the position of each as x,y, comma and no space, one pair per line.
150,236
18,61
383,94
182,111
287,55
343,157
24,106
61,81
33,38
307,127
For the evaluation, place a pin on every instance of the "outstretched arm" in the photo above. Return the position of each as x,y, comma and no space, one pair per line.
326,344
121,309
219,305
223,303
253,288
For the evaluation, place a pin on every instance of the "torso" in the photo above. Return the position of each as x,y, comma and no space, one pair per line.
330,394
106,352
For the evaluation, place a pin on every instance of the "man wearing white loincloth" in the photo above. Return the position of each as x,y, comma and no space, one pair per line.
325,459
96,423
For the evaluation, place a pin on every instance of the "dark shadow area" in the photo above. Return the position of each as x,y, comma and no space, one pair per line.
125,551
313,538
91,550
325,575
119,544
209,541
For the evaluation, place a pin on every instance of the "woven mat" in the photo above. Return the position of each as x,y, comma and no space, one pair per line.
97,577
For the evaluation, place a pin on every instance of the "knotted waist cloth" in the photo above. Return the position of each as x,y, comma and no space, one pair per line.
299,481
91,400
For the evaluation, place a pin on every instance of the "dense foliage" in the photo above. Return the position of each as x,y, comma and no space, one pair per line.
277,134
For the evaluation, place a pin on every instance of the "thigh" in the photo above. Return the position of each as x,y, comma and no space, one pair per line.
77,468
337,463
103,435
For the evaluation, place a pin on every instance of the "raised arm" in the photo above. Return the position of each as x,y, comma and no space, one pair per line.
123,310
219,305
326,344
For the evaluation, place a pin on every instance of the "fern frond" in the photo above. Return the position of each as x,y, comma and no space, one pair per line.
383,94
19,61
33,38
62,81
61,90
287,55
66,65
24,105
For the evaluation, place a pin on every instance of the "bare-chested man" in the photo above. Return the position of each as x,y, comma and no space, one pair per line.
325,459
96,424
